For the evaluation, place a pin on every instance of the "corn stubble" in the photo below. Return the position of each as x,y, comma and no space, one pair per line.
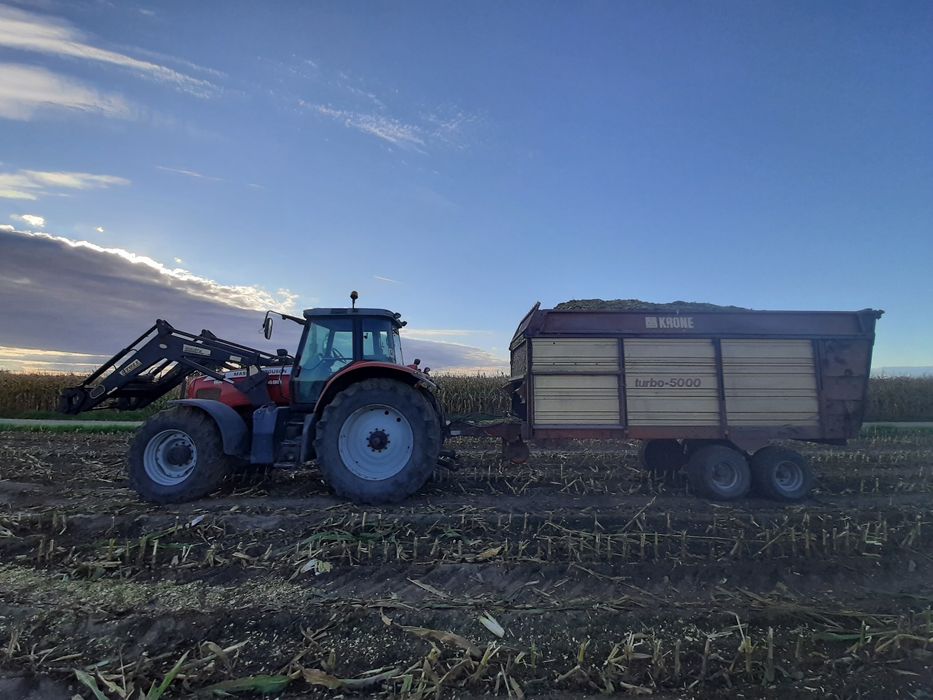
575,573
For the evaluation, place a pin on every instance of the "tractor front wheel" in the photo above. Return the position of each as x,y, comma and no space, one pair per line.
378,441
177,455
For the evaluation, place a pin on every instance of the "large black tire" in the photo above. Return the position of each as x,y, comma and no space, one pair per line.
378,441
662,456
177,455
719,472
781,474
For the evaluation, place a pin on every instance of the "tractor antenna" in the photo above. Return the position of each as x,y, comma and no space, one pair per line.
353,297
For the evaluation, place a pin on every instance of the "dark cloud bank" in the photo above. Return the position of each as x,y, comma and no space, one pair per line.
79,298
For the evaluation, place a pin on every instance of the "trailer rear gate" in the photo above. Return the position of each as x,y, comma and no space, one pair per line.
741,375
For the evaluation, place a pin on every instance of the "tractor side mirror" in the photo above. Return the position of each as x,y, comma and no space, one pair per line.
267,327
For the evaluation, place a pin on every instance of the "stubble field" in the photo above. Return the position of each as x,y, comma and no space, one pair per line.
575,574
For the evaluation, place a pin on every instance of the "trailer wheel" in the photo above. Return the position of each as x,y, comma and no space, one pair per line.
781,474
177,455
662,456
719,472
378,441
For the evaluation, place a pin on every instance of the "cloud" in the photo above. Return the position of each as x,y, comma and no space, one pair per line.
16,194
31,184
99,229
359,92
91,300
25,31
438,128
444,333
31,219
73,180
386,128
450,126
38,360
178,61
453,358
348,100
385,279
238,296
25,90
189,173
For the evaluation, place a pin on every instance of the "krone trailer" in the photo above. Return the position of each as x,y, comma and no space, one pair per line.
704,390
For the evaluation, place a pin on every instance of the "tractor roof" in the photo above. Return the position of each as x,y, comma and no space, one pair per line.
385,313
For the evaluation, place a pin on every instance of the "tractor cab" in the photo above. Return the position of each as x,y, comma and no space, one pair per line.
333,339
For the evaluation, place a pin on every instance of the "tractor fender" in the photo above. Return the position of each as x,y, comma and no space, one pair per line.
370,370
232,427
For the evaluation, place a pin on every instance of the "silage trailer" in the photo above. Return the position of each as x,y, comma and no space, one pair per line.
709,390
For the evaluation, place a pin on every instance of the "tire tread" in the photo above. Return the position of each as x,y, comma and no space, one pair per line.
762,465
346,485
698,476
213,465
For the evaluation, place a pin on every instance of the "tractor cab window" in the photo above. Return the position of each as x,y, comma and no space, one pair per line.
328,348
381,341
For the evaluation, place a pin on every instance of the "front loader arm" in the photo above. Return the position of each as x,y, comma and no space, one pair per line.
158,361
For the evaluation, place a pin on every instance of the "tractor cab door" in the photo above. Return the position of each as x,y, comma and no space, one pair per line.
327,347
331,343
381,342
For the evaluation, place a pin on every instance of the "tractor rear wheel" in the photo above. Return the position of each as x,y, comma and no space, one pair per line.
781,474
177,455
378,441
719,472
662,456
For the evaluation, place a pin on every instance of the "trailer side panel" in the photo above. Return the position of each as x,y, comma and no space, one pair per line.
742,376
671,381
576,381
770,383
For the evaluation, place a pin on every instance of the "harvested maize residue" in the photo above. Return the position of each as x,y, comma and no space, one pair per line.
639,305
576,573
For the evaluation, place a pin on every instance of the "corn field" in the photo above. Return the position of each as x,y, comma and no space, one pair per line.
889,398
900,398
23,395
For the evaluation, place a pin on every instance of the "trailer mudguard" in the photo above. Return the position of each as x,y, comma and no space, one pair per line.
233,430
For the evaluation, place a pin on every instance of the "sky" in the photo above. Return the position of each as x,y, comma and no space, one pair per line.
458,162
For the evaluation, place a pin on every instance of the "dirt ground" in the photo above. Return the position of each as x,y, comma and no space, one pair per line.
575,574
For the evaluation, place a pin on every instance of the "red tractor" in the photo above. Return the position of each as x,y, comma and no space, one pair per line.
345,398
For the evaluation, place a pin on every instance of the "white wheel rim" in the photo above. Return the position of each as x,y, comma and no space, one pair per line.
170,457
376,442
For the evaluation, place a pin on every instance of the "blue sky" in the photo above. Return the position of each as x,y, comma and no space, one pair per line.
459,161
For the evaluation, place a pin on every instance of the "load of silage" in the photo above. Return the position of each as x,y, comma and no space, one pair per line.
639,305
